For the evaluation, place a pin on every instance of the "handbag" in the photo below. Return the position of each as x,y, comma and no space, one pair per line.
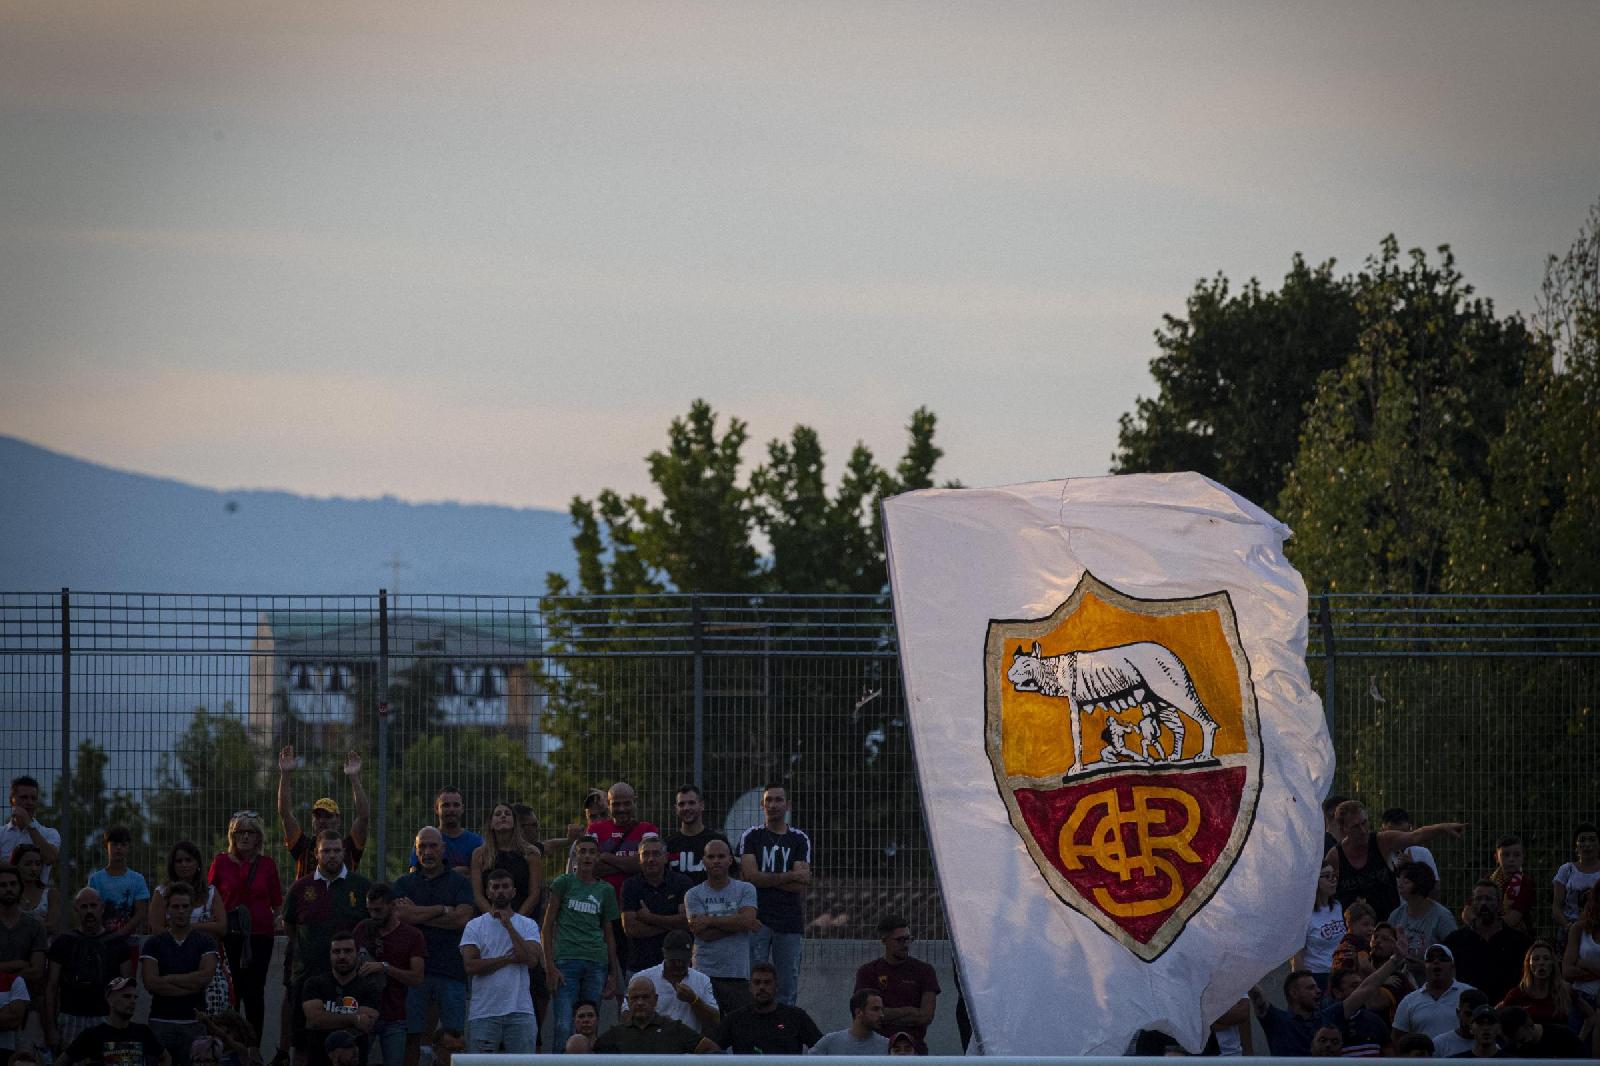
239,923
219,994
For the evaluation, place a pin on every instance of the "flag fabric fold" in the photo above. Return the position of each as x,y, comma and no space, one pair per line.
1119,750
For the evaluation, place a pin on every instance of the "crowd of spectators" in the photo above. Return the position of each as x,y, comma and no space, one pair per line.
1389,967
691,940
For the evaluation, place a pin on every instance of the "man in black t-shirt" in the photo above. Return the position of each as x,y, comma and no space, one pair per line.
81,963
686,848
340,1001
176,967
776,858
1528,1039
119,1040
767,1027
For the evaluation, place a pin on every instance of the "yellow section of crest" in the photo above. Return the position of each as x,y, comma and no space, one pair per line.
1035,738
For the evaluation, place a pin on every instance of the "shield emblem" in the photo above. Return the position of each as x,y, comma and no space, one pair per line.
1125,743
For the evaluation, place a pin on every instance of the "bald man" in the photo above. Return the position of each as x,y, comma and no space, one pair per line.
644,1032
619,837
80,964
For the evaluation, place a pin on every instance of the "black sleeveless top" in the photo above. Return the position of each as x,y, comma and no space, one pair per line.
515,864
1374,882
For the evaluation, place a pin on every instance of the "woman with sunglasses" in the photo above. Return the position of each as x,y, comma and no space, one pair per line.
247,882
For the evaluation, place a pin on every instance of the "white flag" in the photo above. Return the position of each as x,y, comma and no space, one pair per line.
1120,752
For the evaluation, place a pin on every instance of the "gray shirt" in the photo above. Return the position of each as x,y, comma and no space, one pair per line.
729,956
843,1042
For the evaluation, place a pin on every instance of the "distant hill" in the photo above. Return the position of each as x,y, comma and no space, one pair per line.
68,522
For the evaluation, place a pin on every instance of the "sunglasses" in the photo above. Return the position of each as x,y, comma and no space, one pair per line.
244,814
117,984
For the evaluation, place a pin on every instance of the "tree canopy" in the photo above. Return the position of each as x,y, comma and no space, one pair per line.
1413,439
700,535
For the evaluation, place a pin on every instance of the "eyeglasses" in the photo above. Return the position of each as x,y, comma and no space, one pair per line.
908,938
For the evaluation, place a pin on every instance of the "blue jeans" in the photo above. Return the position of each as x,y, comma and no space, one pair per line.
391,1038
580,979
783,951
515,1034
451,996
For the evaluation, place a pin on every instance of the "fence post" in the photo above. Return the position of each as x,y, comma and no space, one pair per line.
698,623
66,874
383,735
1330,674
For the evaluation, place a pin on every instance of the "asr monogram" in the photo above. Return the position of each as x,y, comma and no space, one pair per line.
1108,849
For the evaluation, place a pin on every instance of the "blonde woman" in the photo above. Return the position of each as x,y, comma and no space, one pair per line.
250,892
1542,992
504,848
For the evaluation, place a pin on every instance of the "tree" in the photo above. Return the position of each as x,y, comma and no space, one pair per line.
215,757
94,809
1535,531
629,716
1395,445
1234,376
699,537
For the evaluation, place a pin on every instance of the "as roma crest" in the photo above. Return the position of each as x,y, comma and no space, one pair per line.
1125,742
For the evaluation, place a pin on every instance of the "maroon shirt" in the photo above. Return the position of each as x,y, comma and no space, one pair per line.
900,986
396,948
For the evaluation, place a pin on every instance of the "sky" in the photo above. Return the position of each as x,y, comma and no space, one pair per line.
487,252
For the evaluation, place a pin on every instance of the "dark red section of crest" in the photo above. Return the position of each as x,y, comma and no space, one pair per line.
1217,792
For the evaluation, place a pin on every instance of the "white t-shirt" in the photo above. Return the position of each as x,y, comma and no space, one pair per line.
506,990
12,989
1419,1012
1578,885
11,836
1324,930
668,1005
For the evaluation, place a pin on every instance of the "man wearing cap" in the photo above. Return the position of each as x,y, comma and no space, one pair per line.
1459,1039
1485,1037
1432,1008
118,1039
682,993
340,1048
325,816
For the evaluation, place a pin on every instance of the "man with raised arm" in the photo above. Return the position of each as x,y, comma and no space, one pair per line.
325,815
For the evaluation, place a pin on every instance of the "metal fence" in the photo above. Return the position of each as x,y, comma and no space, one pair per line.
166,712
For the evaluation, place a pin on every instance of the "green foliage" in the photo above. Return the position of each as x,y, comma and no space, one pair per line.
215,756
1234,375
1535,530
699,537
94,808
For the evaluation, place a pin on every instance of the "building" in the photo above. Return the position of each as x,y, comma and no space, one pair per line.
310,669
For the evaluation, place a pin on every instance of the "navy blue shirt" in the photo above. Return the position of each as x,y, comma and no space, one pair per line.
664,899
449,889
